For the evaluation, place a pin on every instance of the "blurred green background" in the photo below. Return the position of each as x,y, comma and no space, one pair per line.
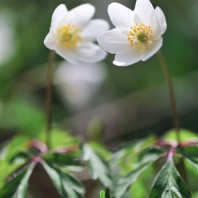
125,103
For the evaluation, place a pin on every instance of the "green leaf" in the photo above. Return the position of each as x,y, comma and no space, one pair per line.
185,135
133,148
128,155
97,165
105,193
169,184
146,158
126,182
100,148
66,184
67,161
60,138
191,154
17,187
12,148
141,187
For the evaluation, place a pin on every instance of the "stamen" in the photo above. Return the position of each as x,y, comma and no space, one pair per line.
69,36
140,36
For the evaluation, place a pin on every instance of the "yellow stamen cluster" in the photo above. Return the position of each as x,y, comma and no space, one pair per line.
69,36
140,36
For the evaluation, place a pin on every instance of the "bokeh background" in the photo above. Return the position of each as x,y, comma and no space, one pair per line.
98,101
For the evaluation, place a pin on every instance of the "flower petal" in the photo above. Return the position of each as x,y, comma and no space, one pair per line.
144,9
80,15
113,40
127,56
162,19
49,41
90,53
121,16
153,49
66,54
94,28
59,13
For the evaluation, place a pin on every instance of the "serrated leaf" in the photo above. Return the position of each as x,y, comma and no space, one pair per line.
169,184
191,154
66,184
17,187
105,193
146,158
98,167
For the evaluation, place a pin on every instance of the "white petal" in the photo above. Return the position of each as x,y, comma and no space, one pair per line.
144,9
49,41
59,13
162,19
66,54
81,15
113,40
90,53
154,49
94,28
127,56
121,16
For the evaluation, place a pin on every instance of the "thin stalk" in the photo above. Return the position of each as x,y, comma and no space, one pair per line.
171,95
49,98
173,107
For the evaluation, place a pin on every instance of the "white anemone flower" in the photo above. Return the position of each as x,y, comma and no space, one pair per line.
137,34
72,34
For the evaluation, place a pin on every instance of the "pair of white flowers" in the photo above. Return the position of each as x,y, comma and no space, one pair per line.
137,34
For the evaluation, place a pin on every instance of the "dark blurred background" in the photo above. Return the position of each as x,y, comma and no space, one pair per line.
100,100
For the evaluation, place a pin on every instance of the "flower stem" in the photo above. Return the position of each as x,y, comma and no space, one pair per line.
49,98
171,95
173,107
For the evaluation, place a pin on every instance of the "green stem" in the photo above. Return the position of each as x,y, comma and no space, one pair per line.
49,98
173,107
171,95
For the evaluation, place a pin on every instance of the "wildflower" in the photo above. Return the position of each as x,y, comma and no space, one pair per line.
137,34
72,34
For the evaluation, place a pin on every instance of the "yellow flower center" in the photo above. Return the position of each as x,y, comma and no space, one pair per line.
140,36
69,36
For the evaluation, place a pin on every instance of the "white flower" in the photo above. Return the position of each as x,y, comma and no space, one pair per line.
137,34
78,84
72,34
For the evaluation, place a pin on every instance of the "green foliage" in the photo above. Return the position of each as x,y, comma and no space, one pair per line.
62,160
191,154
60,138
185,135
105,193
98,167
9,151
145,159
17,187
127,155
66,184
169,184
